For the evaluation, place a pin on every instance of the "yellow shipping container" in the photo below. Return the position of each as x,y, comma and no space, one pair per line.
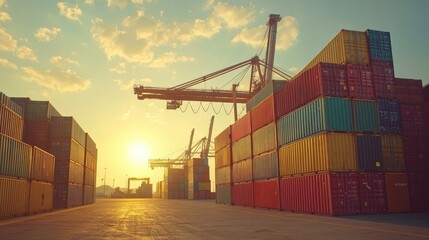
348,47
41,197
223,157
242,149
13,197
393,153
264,139
334,152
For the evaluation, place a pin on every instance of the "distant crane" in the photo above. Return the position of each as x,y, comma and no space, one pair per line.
203,147
136,179
182,92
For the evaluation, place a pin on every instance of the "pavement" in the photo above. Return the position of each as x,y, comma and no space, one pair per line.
186,219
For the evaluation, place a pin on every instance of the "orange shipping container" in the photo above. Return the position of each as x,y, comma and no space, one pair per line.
42,166
41,197
264,139
397,192
242,149
223,157
334,152
13,197
263,113
223,139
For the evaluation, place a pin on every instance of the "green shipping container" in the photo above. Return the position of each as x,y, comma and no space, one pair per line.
365,116
15,157
270,88
331,114
223,193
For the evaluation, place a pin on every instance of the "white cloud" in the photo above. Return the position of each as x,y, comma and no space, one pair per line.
161,13
233,16
168,58
6,63
46,34
125,86
157,119
2,2
56,79
24,52
137,1
62,62
127,115
4,16
120,69
287,34
89,2
293,69
7,43
70,12
117,3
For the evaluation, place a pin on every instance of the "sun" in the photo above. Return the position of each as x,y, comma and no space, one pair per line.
138,153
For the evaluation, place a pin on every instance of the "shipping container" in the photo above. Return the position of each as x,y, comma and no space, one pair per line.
67,128
42,166
397,193
242,194
412,120
389,114
426,92
90,161
265,166
88,195
223,139
268,90
365,116
416,154
223,193
242,171
384,79
409,91
334,152
223,175
14,195
372,193
223,157
393,153
90,145
419,191
323,114
65,150
241,128
426,119
89,177
41,197
11,123
40,111
38,133
75,195
263,114
69,172
15,157
380,48
264,139
369,153
361,83
347,47
266,194
242,149
12,105
175,183
331,194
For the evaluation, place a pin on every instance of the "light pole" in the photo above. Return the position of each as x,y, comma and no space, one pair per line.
105,181
113,183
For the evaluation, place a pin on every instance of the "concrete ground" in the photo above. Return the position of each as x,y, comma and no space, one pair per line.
185,219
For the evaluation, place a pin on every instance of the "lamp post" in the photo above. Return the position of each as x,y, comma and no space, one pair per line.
113,183
105,181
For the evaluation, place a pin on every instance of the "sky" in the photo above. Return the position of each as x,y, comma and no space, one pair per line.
84,56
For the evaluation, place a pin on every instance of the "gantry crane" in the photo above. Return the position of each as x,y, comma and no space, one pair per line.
203,147
136,179
183,92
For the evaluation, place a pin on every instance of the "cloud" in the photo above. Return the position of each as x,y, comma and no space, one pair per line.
4,17
89,2
125,86
7,43
287,34
137,1
127,115
157,119
2,2
117,3
46,34
6,63
168,58
233,16
62,62
293,69
56,79
70,12
120,69
24,52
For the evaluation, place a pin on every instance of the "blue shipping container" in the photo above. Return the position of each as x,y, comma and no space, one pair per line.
369,152
389,114
380,48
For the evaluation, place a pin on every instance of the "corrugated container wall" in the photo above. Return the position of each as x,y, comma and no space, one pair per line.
263,113
242,194
75,195
67,128
42,166
15,157
223,157
416,154
88,195
419,191
397,193
389,113
361,83
12,105
393,153
384,79
372,193
264,139
266,194
380,48
269,89
242,149
223,139
41,197
409,91
365,116
223,193
40,111
11,123
241,128
369,153
412,120
426,93
223,175
265,166
242,171
38,133
14,197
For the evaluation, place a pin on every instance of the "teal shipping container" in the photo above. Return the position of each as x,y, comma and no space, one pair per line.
223,193
264,139
15,157
270,88
365,116
323,114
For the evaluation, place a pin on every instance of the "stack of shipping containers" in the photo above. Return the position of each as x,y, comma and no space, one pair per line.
346,142
198,179
159,189
90,169
145,190
223,167
175,183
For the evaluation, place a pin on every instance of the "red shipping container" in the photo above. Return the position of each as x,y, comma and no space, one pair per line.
426,119
266,194
415,154
426,93
372,193
328,194
412,120
361,83
263,114
241,128
384,79
397,193
242,194
324,79
409,91
419,191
